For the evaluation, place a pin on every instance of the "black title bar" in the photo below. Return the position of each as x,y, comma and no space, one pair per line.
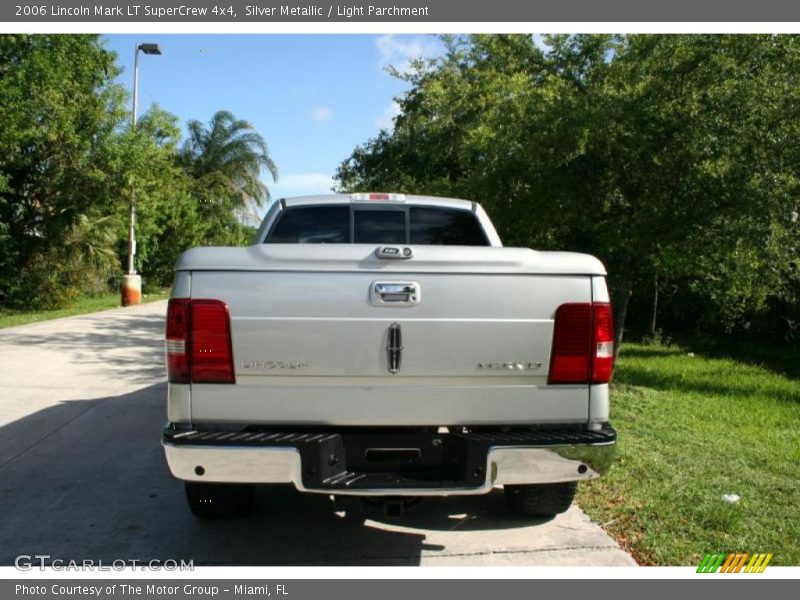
409,11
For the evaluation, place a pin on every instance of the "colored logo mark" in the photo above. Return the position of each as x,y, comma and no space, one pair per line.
734,562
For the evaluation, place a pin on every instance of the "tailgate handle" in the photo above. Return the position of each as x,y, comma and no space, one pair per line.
394,293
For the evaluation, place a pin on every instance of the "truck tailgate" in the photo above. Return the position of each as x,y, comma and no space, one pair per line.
465,344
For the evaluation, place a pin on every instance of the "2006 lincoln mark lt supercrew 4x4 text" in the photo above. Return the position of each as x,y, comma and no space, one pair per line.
388,346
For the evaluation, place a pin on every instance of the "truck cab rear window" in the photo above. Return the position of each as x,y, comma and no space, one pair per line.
312,225
445,227
379,227
425,225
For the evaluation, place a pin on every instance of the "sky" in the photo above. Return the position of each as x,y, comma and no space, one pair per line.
312,97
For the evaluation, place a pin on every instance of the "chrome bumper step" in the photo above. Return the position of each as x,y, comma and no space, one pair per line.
374,462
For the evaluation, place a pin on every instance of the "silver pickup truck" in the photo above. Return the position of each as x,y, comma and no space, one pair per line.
387,346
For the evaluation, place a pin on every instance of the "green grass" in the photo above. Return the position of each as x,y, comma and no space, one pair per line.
89,304
692,428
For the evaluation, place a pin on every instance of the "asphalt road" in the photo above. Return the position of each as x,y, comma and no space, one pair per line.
82,475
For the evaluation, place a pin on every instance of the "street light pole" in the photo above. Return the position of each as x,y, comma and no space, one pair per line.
131,281
132,220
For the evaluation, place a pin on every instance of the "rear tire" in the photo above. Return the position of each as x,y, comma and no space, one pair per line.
542,500
219,500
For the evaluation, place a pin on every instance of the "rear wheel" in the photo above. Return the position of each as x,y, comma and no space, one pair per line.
219,500
542,500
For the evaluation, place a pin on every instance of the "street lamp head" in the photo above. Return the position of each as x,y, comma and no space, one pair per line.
150,48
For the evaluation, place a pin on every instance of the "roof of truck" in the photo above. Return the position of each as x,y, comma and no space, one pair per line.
380,197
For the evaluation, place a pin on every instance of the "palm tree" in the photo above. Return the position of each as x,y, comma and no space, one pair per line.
230,151
92,239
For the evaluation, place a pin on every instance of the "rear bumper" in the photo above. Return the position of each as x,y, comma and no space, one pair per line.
429,464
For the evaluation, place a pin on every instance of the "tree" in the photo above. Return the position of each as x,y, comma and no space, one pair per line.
58,108
660,154
147,159
69,161
226,160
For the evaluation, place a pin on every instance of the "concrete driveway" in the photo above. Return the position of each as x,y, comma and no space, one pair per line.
82,475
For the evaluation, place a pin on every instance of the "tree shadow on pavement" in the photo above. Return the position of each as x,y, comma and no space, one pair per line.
89,481
130,342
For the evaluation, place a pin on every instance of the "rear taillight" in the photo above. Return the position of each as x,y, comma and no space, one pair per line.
572,342
212,357
177,342
583,344
602,343
199,342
